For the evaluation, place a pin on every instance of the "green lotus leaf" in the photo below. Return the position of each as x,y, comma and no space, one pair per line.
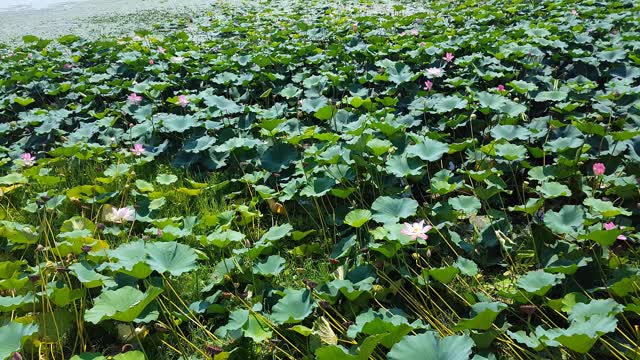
89,277
605,208
466,204
467,267
569,220
278,157
166,179
171,257
511,152
294,307
18,233
117,170
13,336
555,95
402,166
429,346
551,190
13,178
222,239
272,266
318,186
343,247
484,314
389,210
11,303
510,132
224,105
277,232
428,149
538,282
124,304
444,274
357,218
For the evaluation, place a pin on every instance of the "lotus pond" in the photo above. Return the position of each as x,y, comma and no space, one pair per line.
327,181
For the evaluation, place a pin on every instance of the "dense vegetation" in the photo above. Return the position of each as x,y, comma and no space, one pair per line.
330,181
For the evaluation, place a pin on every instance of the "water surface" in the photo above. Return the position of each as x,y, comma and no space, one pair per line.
89,18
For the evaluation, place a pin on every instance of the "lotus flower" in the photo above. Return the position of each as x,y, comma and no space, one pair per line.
416,230
414,32
161,50
448,57
28,159
120,215
134,99
138,149
435,72
500,87
610,226
151,62
428,85
354,27
182,100
598,169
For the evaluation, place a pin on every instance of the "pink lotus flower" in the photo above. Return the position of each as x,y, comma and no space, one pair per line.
67,66
574,12
428,85
161,50
423,44
134,99
151,62
120,215
416,230
414,32
138,149
500,87
598,169
403,33
182,100
610,226
28,159
434,72
448,57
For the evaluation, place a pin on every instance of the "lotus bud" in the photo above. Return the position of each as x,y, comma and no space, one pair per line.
415,256
473,116
516,99
39,248
377,288
213,350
